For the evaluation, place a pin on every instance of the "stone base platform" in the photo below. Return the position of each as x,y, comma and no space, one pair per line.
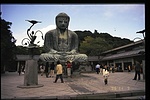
30,86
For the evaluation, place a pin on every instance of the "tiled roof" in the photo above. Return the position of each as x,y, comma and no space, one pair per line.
123,55
124,46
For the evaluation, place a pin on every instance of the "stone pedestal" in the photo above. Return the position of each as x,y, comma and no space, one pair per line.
31,74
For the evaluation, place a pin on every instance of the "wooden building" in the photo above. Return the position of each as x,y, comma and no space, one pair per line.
124,56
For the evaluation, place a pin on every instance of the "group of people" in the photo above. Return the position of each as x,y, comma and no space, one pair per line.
45,69
100,68
59,70
104,70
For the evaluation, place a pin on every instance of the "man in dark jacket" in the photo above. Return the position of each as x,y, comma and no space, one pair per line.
137,70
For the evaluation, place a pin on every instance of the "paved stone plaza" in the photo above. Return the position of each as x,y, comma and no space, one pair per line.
85,86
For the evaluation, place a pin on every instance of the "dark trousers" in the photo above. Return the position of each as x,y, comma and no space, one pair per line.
97,70
137,73
19,72
46,73
59,76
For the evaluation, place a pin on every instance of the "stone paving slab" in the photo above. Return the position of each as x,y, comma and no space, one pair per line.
85,84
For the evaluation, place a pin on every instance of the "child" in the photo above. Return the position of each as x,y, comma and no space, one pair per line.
105,75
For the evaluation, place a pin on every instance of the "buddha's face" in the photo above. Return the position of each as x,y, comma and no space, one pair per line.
62,22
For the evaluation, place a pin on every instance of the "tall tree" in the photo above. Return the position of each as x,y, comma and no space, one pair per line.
7,46
94,46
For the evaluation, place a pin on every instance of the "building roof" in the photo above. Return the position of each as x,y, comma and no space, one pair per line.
124,46
124,54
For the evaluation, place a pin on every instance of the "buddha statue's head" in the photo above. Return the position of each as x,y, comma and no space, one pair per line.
62,21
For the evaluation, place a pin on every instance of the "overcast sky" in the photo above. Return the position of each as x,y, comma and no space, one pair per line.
120,20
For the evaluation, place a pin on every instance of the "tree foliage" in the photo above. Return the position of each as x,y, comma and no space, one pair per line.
99,42
94,46
7,45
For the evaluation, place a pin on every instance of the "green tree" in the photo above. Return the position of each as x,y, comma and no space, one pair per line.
83,34
85,45
7,46
94,46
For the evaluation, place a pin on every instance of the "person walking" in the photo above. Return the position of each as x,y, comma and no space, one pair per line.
129,68
46,69
23,68
52,66
105,75
19,70
59,71
97,68
69,65
137,70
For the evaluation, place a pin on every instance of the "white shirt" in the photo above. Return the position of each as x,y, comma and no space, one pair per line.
97,66
106,74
